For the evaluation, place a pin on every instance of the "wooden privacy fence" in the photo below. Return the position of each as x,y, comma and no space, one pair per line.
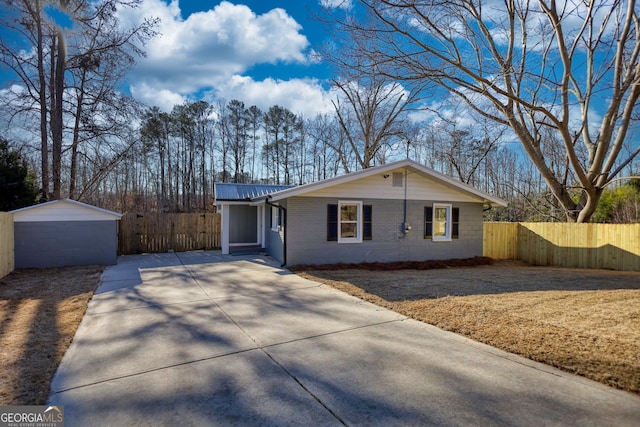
7,259
610,246
161,232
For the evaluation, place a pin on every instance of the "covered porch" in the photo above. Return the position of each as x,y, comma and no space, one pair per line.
242,220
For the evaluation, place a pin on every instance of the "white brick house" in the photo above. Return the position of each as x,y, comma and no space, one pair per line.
400,211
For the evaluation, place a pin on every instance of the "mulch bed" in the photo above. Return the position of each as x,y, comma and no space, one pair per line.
392,266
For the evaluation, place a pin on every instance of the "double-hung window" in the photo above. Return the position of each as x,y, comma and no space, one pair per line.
441,222
349,222
275,218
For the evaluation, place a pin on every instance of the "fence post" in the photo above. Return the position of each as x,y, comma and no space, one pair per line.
7,249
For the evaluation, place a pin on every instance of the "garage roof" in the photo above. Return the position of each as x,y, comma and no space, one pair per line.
63,210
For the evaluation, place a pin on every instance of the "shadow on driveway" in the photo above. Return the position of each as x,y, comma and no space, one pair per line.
205,339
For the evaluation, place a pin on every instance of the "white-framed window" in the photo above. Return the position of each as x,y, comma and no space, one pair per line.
349,222
275,218
441,222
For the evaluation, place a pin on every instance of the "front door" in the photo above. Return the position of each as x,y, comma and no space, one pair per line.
243,225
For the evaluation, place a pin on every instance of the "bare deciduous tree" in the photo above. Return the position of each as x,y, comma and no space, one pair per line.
326,154
254,124
68,73
238,137
569,67
369,111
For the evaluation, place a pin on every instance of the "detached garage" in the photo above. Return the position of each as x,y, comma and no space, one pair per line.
65,232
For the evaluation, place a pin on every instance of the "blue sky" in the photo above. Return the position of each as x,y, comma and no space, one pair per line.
262,52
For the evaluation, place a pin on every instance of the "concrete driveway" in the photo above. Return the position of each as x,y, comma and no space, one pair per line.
204,339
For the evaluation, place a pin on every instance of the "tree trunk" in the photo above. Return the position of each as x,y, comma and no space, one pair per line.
42,93
76,138
57,89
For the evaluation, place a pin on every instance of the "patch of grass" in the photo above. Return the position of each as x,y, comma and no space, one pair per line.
40,310
582,321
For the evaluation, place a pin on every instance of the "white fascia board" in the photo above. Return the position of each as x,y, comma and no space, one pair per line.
31,213
235,202
363,173
40,205
318,185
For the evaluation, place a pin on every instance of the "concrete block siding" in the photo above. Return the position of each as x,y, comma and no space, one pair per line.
307,233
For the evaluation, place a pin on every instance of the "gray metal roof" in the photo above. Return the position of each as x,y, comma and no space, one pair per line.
245,192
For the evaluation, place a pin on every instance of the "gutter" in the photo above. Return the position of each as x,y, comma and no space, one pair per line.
284,224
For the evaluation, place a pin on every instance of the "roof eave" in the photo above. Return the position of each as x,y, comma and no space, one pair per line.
497,203
363,173
73,202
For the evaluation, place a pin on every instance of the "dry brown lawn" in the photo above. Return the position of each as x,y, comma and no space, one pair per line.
40,310
583,321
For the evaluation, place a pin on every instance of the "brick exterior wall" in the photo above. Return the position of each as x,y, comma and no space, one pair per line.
307,233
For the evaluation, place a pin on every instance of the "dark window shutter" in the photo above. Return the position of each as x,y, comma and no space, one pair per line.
428,222
455,214
367,222
332,223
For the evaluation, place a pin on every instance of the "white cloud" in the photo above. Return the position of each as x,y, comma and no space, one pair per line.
161,98
191,54
337,4
12,91
211,50
301,96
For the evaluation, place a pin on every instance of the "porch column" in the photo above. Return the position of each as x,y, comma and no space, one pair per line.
261,228
224,228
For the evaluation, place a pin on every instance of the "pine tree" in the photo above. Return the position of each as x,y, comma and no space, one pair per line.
17,183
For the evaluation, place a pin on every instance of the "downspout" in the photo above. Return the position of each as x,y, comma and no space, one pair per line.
405,225
284,224
406,179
